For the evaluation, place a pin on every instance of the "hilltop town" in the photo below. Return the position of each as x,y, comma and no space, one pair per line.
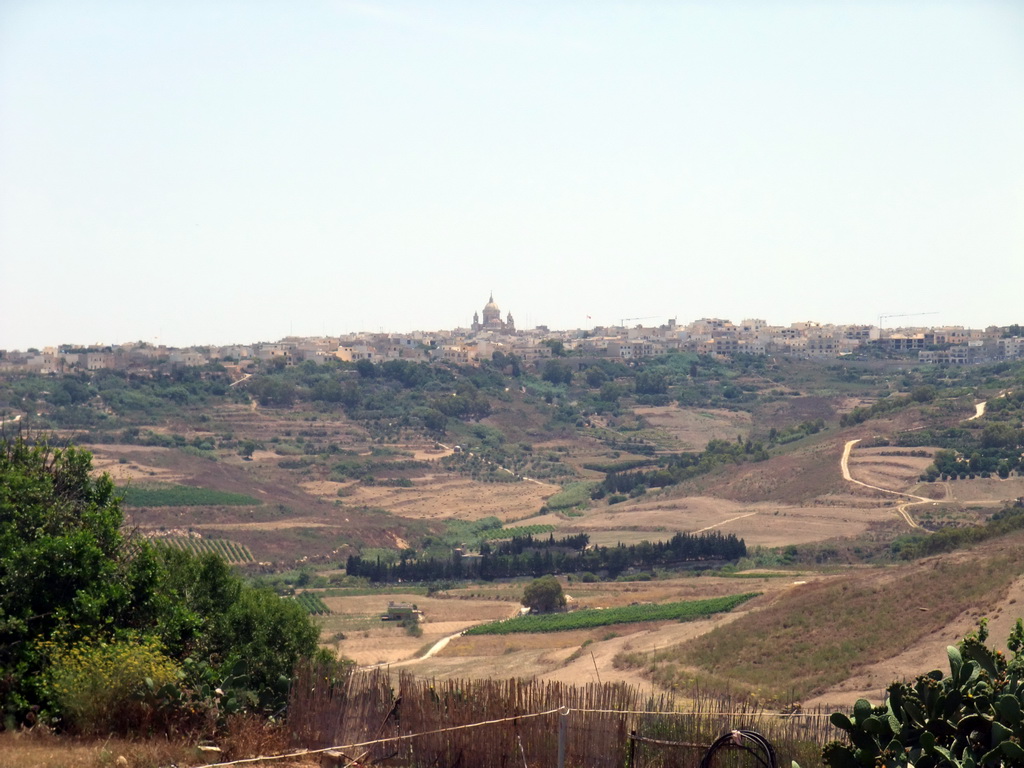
740,476
488,334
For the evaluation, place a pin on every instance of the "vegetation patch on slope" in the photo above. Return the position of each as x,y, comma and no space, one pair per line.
816,635
229,551
183,496
596,617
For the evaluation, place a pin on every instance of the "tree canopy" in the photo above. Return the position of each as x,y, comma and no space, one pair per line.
70,578
544,595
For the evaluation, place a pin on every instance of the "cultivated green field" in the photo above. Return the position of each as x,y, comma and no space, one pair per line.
589,618
183,496
313,604
230,551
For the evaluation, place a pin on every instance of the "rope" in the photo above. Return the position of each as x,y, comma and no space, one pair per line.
704,714
385,740
564,711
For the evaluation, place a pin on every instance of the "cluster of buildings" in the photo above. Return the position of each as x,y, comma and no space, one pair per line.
489,333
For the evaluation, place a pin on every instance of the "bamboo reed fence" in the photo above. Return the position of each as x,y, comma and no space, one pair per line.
516,723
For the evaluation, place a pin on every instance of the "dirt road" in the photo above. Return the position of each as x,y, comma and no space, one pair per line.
504,469
844,465
979,408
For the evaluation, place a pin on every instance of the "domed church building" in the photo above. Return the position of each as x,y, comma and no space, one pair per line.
492,319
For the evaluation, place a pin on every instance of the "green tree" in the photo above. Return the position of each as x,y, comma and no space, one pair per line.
999,435
65,567
651,383
434,420
247,448
544,595
923,394
557,372
273,391
70,579
556,346
595,377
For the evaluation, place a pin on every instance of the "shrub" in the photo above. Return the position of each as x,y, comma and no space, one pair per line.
108,687
970,718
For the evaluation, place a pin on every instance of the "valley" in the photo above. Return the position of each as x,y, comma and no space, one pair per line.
820,469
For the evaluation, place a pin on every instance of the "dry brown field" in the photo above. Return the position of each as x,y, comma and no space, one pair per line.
758,524
445,496
928,654
884,468
797,497
555,656
690,429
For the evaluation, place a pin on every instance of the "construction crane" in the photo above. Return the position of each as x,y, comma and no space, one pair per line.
624,320
903,314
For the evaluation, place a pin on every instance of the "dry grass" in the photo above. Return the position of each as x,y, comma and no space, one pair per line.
246,736
690,429
446,496
820,633
252,736
35,749
768,524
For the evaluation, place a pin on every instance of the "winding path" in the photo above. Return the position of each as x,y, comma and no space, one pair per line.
979,408
435,649
844,465
498,466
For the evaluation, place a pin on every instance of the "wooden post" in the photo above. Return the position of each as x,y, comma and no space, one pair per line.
563,733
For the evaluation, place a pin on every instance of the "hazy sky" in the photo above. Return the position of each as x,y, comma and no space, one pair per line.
214,171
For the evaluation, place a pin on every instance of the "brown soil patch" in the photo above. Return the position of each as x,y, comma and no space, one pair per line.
454,497
691,428
796,410
761,524
595,663
567,655
798,477
984,490
139,465
369,641
877,466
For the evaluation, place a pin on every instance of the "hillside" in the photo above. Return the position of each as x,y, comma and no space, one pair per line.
336,459
819,468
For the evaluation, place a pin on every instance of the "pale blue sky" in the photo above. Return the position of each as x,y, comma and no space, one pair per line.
213,172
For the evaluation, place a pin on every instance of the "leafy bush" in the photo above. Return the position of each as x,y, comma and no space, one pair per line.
108,687
68,572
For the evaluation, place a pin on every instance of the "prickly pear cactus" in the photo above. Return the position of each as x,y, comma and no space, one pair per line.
971,718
